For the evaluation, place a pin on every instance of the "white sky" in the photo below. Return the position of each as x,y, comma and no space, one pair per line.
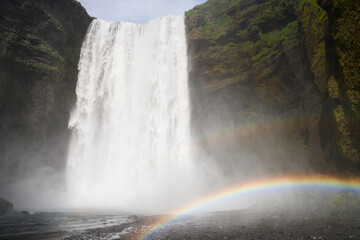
138,11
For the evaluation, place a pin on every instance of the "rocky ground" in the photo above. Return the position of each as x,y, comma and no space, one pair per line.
242,225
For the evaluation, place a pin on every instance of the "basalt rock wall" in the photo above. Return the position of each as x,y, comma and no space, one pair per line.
40,43
275,84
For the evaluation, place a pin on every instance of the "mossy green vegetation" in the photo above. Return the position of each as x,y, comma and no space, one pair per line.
285,56
265,53
77,2
282,36
313,22
213,14
333,87
344,139
346,51
40,67
40,44
347,44
344,201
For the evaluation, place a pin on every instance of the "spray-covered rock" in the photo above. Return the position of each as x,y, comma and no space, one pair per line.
5,206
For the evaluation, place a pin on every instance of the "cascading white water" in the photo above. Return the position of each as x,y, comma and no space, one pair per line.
130,146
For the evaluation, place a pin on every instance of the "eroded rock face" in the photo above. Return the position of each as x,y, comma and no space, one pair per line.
343,83
266,69
40,46
5,207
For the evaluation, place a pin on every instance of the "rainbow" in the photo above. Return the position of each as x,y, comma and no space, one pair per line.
253,187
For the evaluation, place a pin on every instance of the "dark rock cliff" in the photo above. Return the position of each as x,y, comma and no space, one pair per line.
5,207
40,43
275,84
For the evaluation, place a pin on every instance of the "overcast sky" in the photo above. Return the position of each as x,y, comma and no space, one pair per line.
138,11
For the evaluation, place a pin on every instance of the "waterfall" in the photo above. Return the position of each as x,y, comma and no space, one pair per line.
130,146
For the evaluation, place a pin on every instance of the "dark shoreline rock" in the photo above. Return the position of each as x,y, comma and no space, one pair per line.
5,207
132,217
24,212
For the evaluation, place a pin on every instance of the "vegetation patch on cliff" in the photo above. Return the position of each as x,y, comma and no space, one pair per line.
277,58
40,43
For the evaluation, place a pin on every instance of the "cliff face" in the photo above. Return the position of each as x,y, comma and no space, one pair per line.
275,83
40,43
5,207
282,74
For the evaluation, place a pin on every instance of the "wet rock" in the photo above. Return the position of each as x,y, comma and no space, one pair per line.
5,206
40,48
251,66
132,217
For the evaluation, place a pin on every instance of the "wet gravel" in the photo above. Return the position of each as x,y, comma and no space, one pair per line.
242,225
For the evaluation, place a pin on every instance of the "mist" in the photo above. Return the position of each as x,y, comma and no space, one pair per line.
149,147
233,120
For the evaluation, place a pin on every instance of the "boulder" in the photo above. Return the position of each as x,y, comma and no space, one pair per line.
5,206
132,217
